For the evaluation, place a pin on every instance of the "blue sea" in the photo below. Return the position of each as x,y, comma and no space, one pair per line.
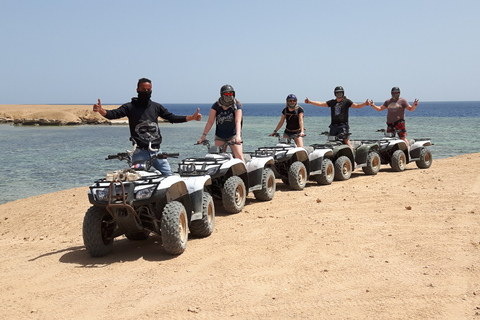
39,160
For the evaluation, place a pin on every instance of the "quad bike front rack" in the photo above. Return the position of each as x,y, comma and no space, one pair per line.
123,213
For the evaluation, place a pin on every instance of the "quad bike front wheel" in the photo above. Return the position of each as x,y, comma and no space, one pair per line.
174,228
98,231
234,194
343,168
426,159
399,161
373,163
328,173
204,227
269,186
297,176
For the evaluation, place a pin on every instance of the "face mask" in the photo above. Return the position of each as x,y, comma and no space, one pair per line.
228,99
339,94
396,95
144,95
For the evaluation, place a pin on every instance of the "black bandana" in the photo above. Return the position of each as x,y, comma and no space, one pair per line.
144,96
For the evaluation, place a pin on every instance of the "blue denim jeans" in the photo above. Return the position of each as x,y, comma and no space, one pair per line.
162,165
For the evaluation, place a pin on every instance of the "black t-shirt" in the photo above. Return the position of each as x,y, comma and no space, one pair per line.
143,120
292,118
339,110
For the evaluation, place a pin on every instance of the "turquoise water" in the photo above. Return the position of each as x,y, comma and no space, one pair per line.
39,160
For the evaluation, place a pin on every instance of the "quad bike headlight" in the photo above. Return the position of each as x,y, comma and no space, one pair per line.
211,171
280,155
144,193
102,194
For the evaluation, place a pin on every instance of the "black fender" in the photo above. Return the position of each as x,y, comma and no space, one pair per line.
362,152
343,150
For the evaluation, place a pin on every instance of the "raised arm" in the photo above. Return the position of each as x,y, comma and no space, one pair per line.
361,105
196,116
415,104
378,108
97,107
316,103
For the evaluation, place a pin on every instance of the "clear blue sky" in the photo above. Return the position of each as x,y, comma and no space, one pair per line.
67,51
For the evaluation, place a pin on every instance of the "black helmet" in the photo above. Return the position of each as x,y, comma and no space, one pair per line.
291,97
227,88
338,89
396,90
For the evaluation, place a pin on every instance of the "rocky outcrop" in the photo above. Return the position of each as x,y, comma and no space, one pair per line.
55,115
52,117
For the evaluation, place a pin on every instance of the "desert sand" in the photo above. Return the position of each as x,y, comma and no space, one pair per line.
392,246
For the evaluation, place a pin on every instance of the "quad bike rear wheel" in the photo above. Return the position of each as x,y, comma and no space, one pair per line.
399,161
204,227
373,163
343,168
328,173
234,194
268,186
98,231
426,159
297,176
174,228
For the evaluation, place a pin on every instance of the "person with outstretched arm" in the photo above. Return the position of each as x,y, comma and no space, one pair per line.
396,107
143,114
339,108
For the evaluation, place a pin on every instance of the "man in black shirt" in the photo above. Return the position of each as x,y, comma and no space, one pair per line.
143,114
339,108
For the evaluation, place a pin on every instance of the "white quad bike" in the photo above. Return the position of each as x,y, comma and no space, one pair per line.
232,179
136,202
294,165
394,151
364,155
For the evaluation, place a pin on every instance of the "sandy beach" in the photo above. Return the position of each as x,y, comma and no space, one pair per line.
391,246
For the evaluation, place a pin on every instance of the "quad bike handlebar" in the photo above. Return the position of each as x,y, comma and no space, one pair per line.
288,140
277,135
226,143
339,137
127,156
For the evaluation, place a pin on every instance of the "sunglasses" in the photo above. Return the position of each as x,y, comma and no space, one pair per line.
291,100
228,94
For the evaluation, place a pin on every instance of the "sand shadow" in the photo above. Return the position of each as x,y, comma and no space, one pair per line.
124,250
